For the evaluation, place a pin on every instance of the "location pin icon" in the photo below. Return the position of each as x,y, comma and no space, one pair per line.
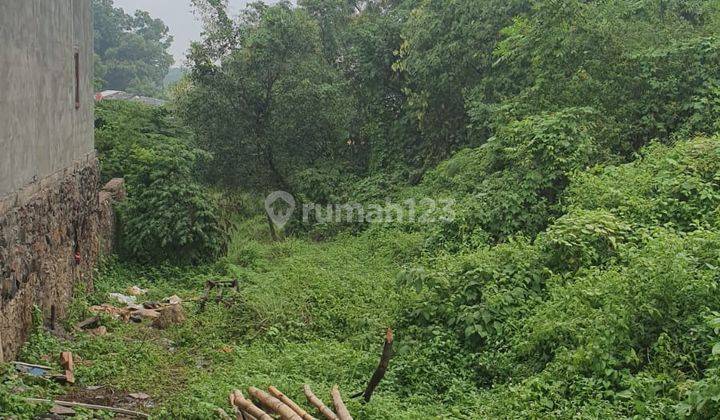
280,219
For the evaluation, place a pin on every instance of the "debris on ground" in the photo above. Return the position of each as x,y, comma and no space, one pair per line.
87,324
151,305
173,300
38,371
46,372
127,300
66,361
169,315
170,307
60,410
139,396
70,404
115,312
99,331
136,291
143,313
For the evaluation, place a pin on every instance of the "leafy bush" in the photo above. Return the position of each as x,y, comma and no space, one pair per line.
582,239
605,313
172,222
669,185
479,294
513,184
168,215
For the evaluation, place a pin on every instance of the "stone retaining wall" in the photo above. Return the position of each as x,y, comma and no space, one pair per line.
50,241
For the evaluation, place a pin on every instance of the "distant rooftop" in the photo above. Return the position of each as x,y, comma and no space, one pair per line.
118,95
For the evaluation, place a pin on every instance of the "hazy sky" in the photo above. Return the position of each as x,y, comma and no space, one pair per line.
178,15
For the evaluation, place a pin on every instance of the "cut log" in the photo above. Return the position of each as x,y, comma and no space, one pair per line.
340,409
66,361
222,414
381,369
244,405
317,403
274,404
290,403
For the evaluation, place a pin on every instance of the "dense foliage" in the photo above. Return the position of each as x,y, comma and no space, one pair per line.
579,274
131,51
169,215
578,277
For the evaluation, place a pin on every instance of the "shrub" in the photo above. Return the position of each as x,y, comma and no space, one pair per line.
174,222
513,184
168,215
582,238
669,185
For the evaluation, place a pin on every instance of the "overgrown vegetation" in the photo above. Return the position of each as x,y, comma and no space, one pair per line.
169,215
578,277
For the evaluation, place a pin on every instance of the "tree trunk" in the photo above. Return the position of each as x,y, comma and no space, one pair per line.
238,401
382,366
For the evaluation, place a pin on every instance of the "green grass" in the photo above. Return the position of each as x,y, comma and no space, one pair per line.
307,312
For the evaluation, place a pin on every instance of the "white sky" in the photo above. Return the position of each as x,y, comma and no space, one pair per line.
178,16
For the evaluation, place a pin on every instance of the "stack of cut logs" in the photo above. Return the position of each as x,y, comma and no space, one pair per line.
282,406
277,403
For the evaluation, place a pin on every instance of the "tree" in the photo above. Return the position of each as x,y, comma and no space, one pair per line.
262,98
447,50
131,52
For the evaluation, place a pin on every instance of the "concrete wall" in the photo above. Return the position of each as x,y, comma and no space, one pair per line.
52,216
41,132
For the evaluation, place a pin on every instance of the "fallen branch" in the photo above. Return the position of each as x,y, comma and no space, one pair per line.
274,404
340,409
239,401
381,369
290,403
317,403
88,406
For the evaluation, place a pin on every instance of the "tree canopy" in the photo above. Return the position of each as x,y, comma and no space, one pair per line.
131,51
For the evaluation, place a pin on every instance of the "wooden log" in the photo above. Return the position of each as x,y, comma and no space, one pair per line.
382,367
222,414
317,403
66,361
290,403
340,409
238,400
274,404
89,407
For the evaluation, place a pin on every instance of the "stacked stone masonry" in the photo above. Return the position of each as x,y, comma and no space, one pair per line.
51,235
